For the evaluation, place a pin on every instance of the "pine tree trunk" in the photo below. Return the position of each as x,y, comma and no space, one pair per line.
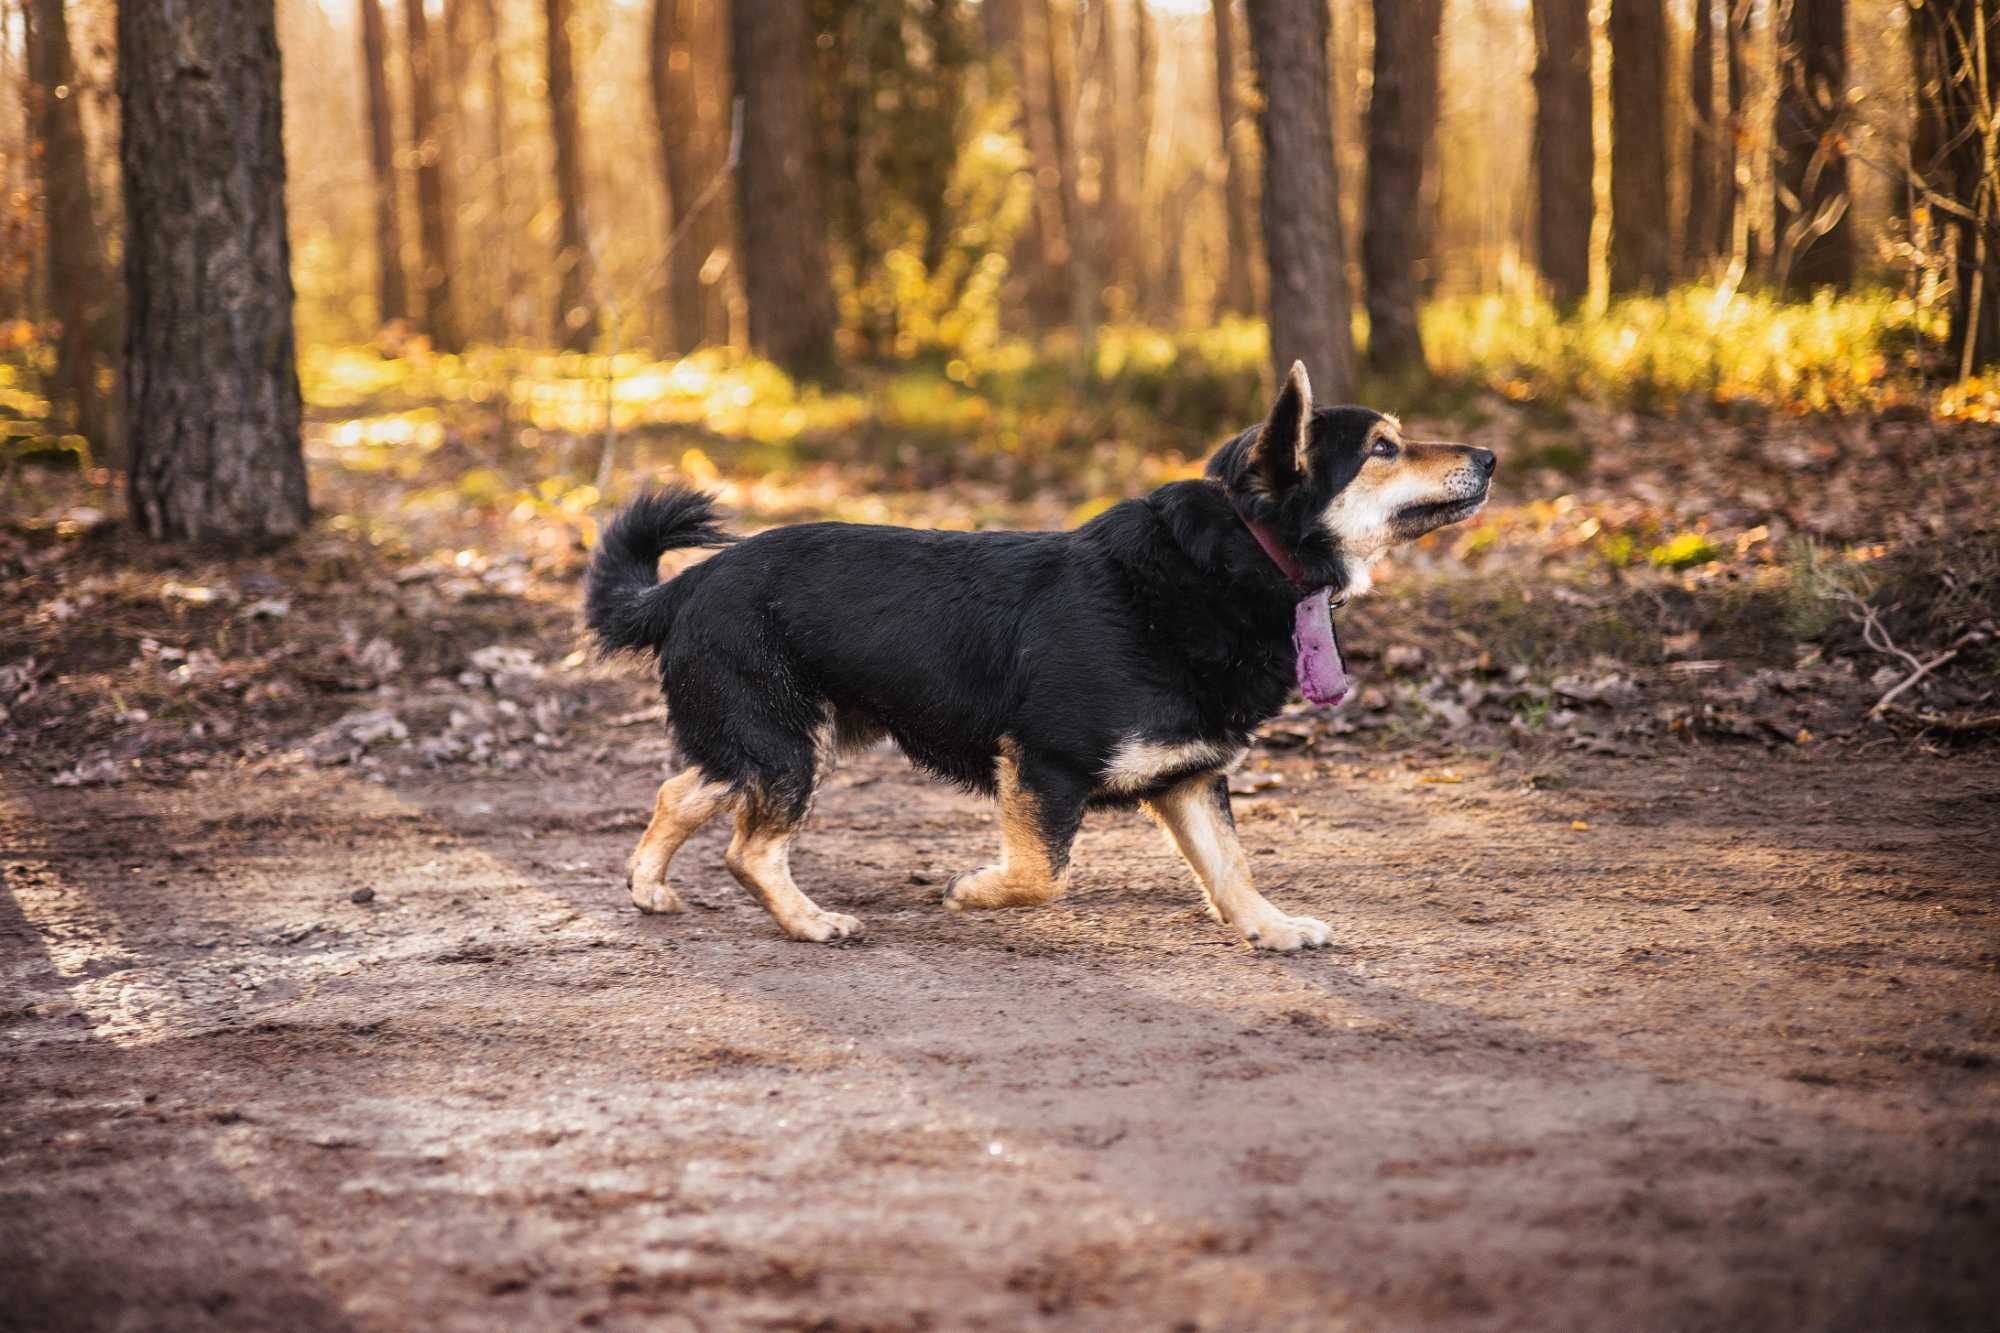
75,263
675,109
1965,54
1059,81
433,211
211,382
576,312
507,288
1736,43
1698,239
1239,292
1641,255
785,280
944,24
1564,151
1399,131
392,300
1113,221
1144,237
1812,225
1018,60
1309,304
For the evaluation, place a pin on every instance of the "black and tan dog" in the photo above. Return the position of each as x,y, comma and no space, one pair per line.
1123,663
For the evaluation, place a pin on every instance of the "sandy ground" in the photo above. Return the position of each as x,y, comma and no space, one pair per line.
1729,1057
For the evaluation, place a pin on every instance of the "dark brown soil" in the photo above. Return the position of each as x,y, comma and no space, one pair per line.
1708,1040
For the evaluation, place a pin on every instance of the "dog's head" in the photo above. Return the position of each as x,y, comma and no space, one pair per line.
1340,485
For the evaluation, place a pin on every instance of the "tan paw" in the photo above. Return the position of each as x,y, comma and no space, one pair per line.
819,927
989,887
1286,934
654,898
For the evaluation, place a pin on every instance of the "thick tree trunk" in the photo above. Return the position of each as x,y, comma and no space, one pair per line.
1812,224
1309,304
576,311
507,292
785,279
1730,168
1641,255
1565,154
1239,293
75,263
1962,54
440,318
1399,132
1099,64
392,301
674,108
1699,236
211,383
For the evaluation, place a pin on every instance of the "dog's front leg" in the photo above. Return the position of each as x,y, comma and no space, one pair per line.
1197,815
1041,807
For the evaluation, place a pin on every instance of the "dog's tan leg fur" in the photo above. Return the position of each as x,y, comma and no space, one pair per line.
760,856
684,804
1195,818
1024,876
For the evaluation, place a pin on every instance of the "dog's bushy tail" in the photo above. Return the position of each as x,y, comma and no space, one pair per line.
625,604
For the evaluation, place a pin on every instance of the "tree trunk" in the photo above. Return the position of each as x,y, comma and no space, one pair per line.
1564,151
211,383
576,314
1698,239
1239,293
944,24
1309,305
1399,131
392,300
1145,79
1812,225
674,106
1100,58
433,212
75,263
785,279
500,239
1059,81
1641,255
1043,251
1730,168
1964,54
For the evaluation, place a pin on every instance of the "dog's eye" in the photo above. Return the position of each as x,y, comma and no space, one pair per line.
1384,447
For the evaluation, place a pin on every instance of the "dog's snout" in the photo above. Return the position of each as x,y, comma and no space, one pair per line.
1484,460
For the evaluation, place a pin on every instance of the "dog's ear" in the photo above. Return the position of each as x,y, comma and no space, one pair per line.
1281,454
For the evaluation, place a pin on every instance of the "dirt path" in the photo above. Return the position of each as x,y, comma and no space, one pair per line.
1729,1057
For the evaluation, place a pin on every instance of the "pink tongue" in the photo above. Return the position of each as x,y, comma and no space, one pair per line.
1322,678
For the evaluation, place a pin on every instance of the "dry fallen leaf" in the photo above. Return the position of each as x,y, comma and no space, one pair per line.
1580,825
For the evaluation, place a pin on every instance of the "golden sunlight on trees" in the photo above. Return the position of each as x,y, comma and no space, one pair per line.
847,185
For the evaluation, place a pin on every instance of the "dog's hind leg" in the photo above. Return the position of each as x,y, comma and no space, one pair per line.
686,801
760,856
1196,814
1040,811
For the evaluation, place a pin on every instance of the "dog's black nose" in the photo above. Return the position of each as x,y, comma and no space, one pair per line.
1484,460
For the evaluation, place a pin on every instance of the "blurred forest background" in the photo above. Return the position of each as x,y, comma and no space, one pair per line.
1720,279
988,182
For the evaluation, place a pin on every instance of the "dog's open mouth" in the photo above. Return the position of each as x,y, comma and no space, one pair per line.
1421,518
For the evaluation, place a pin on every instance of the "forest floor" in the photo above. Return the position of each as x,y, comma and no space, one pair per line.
1665,990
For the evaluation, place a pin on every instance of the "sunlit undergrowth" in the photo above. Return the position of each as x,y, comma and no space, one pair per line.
1697,350
1702,348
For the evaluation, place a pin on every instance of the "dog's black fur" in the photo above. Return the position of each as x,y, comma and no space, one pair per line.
1160,619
